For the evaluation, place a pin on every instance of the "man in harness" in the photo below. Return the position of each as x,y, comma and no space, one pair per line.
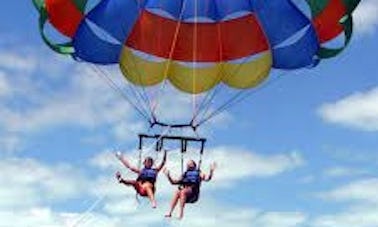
145,183
190,183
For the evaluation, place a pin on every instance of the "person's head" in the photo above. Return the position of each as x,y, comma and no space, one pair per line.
148,162
191,165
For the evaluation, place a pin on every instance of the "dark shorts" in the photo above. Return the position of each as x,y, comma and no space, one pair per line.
193,196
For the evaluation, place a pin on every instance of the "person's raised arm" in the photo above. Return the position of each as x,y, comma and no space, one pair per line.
126,163
162,162
210,176
171,180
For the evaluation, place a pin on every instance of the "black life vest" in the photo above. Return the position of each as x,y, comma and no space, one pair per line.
191,178
148,175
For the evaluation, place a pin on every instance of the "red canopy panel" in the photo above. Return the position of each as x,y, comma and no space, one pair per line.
64,16
198,42
327,23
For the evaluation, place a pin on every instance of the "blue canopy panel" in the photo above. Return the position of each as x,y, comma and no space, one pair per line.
91,48
226,8
183,10
298,54
282,20
112,22
279,18
173,8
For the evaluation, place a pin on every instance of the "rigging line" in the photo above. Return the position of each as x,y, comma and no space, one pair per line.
84,217
218,79
205,104
222,73
194,54
169,60
118,90
143,94
207,107
143,88
238,98
138,94
130,87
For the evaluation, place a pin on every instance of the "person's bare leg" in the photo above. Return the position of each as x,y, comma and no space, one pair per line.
175,199
150,193
183,196
123,181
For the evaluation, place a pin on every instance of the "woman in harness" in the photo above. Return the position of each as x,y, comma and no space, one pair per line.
145,183
190,183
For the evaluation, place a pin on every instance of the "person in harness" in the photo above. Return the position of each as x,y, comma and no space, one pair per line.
145,183
190,184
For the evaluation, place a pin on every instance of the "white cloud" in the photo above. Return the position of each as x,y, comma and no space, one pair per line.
19,62
244,163
10,143
340,171
86,102
26,182
366,17
36,216
39,93
362,197
359,111
366,216
5,88
281,219
365,191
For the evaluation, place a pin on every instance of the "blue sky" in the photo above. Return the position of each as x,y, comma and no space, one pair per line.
301,152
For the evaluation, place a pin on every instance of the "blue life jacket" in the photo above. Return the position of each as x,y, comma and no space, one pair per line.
191,177
148,175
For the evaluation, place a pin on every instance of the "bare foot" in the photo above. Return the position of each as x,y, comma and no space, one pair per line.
118,176
168,215
154,205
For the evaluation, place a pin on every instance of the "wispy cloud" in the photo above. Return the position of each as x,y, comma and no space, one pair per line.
340,171
27,182
362,195
365,190
358,111
366,17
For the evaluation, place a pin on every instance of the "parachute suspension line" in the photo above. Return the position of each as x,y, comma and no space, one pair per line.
143,93
206,104
183,150
201,154
166,70
218,91
207,107
132,91
194,54
209,97
117,89
239,97
140,95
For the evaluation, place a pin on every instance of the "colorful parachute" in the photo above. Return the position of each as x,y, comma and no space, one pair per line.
197,44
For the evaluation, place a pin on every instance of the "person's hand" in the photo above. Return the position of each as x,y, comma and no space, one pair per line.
166,171
213,166
118,155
